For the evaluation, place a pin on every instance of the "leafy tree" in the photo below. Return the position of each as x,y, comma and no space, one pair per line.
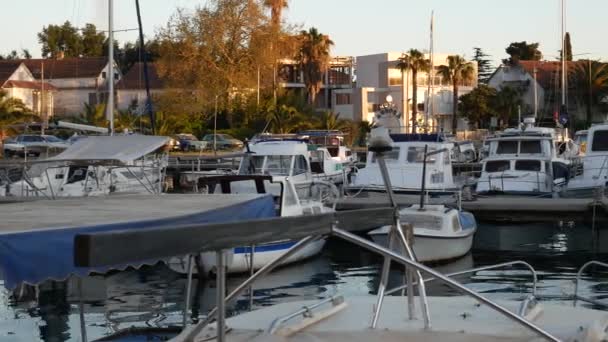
286,119
314,59
25,54
414,60
484,65
522,51
13,111
477,105
60,38
506,104
568,47
130,53
94,115
457,71
92,41
329,120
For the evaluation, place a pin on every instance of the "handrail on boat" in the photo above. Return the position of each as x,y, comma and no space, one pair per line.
483,268
578,278
306,311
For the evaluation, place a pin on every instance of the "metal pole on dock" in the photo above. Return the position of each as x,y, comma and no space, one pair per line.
221,296
83,328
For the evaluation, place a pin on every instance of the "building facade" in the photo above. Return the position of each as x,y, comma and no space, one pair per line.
18,82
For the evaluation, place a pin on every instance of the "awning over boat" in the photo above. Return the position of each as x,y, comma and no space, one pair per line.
37,238
121,148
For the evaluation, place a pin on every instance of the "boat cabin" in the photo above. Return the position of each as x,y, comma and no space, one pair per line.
405,166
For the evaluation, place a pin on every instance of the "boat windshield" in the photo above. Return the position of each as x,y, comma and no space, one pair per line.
600,141
267,165
415,154
391,156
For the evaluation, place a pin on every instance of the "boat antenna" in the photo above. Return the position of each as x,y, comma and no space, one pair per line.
142,51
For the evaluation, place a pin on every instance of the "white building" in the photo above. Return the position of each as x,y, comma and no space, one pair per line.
378,76
77,80
19,83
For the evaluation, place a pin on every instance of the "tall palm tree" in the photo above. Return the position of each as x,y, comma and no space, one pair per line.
314,59
95,115
276,10
414,60
590,79
457,70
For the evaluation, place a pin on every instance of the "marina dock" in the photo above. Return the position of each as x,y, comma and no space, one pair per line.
501,209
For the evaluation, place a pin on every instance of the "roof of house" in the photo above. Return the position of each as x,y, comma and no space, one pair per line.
547,72
134,78
72,67
29,85
7,69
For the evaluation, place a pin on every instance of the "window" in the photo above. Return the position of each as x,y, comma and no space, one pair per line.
416,155
343,99
527,165
497,166
600,141
103,74
251,165
32,138
507,147
278,165
300,165
529,146
390,156
394,81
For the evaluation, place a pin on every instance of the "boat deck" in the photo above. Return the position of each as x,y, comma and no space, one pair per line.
498,208
452,319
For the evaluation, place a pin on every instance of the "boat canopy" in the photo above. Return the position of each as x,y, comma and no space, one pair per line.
37,238
119,148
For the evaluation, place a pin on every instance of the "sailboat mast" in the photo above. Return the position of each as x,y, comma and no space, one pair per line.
563,23
142,49
110,78
431,108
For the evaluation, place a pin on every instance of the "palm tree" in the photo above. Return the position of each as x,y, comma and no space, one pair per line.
276,11
331,121
94,115
287,119
590,79
13,111
314,59
414,60
457,71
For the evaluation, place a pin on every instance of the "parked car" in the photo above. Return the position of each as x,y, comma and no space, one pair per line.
33,145
188,142
222,141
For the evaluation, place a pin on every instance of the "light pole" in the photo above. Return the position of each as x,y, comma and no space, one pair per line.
215,127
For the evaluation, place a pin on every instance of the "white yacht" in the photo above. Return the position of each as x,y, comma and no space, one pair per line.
440,233
280,168
405,166
97,166
594,168
524,161
333,141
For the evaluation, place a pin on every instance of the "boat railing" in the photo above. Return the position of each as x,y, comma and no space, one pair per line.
577,280
539,179
483,268
337,302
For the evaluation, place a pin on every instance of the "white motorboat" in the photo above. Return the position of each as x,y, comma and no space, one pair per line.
525,161
592,175
440,233
97,166
405,167
333,141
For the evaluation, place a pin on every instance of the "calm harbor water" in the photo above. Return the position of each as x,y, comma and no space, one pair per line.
153,296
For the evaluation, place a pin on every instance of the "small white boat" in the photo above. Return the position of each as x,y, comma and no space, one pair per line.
97,166
440,233
405,167
594,166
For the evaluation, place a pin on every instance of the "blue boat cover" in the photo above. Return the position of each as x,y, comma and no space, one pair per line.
35,255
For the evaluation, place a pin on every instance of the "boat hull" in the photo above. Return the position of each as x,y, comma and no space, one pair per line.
432,248
238,260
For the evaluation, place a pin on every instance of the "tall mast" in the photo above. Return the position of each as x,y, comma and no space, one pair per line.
431,82
563,23
142,49
110,78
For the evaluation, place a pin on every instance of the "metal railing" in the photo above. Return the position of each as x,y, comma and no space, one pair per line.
305,311
483,268
577,281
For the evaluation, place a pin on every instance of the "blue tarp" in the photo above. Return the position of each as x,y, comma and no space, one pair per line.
36,255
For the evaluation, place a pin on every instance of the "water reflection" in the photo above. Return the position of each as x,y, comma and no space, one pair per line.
154,296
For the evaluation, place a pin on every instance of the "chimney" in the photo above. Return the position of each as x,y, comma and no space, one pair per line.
60,55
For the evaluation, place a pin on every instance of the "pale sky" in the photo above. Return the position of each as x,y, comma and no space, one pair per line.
357,27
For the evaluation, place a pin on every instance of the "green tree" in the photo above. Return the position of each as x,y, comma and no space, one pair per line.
589,80
477,105
522,51
414,60
329,120
60,38
506,104
25,54
92,41
13,111
457,71
94,115
568,47
484,65
314,60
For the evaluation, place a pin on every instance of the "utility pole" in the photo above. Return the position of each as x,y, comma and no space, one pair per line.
110,78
